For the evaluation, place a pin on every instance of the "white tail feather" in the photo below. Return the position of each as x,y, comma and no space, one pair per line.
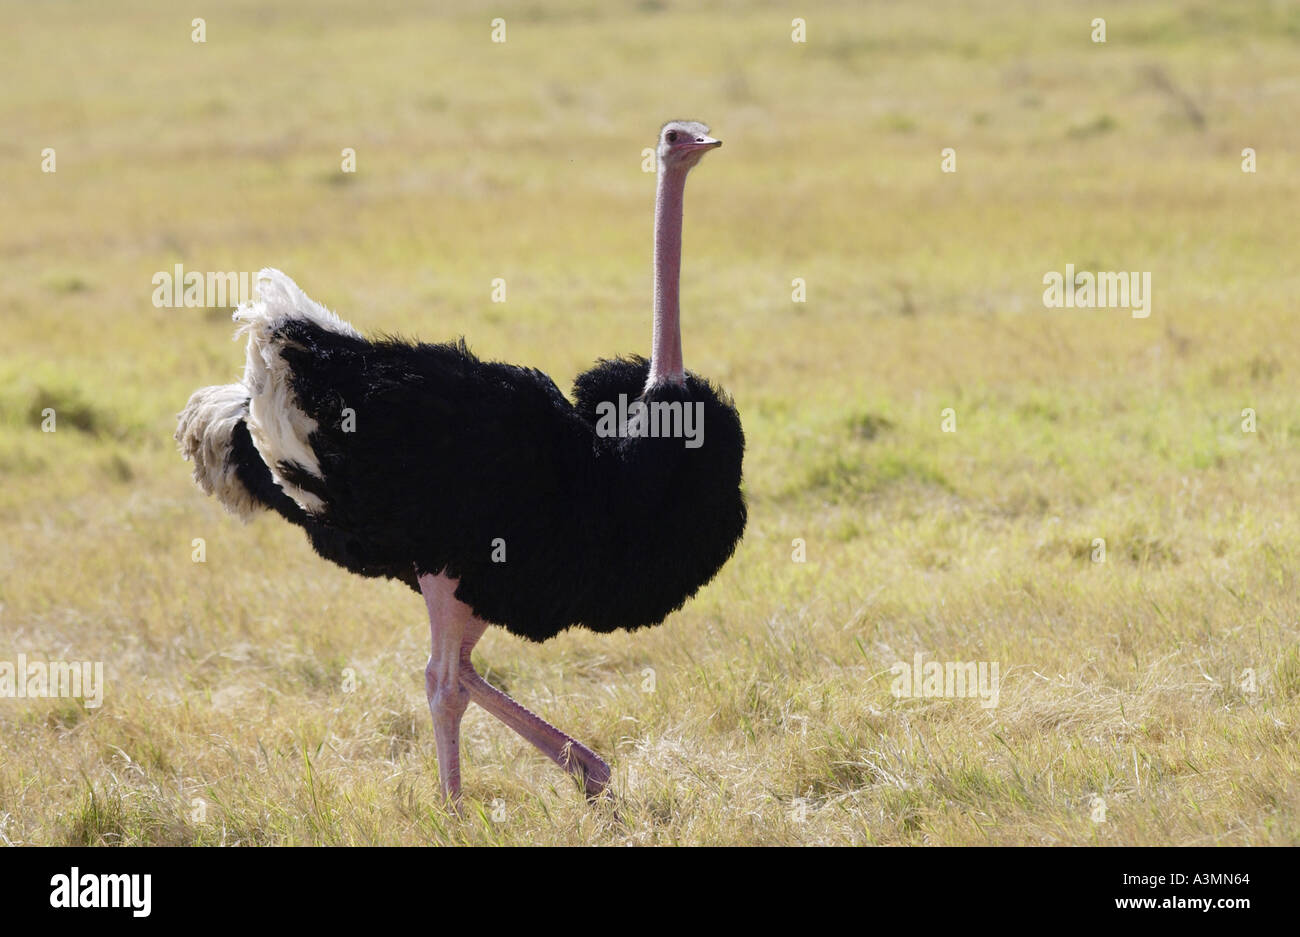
280,429
204,432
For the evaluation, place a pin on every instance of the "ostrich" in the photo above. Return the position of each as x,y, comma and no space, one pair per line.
478,484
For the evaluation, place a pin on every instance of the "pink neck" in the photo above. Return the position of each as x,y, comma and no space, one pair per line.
666,352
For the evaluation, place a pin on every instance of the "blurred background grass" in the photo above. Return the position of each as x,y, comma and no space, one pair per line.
770,720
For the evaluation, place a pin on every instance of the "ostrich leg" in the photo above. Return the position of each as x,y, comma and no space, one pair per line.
451,682
448,698
564,750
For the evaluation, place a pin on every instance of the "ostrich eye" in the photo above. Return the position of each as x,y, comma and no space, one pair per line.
671,136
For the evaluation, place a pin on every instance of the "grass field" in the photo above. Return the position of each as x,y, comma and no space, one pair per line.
1153,698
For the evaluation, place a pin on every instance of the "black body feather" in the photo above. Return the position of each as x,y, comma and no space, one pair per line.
453,459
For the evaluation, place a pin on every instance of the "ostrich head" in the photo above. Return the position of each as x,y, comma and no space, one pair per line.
682,143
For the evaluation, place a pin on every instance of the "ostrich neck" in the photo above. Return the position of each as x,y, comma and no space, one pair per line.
666,351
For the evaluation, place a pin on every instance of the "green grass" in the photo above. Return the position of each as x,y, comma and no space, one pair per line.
771,718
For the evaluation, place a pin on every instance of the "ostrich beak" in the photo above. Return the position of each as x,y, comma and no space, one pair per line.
704,143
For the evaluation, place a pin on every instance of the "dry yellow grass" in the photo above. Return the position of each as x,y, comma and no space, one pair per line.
761,713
